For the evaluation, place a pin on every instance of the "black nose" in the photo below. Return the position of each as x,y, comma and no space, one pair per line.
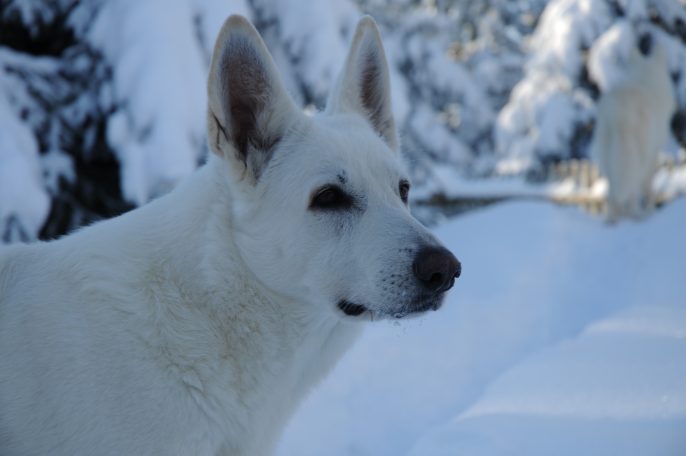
436,268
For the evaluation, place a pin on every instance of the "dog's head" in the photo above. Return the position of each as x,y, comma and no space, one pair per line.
320,204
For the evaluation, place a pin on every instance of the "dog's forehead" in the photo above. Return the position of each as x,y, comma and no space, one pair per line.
347,149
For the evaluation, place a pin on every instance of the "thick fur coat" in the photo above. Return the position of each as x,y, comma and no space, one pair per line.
195,324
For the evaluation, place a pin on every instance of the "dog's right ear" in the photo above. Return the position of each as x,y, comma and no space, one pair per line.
249,110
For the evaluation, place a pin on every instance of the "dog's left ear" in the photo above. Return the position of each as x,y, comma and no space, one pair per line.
249,110
364,84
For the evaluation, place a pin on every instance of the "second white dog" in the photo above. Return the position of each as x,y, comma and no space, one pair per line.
632,125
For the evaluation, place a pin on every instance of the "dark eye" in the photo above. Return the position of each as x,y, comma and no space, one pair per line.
331,198
404,190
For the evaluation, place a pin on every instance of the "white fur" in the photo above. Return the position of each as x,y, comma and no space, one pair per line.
632,126
195,324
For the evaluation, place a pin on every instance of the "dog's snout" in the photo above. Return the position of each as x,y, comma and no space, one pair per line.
436,268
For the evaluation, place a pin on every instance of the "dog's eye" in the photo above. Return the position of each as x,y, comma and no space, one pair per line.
404,190
331,197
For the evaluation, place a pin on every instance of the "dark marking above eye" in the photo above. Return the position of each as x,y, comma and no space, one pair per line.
342,177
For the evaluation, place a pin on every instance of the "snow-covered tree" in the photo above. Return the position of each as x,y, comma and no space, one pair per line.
102,102
551,112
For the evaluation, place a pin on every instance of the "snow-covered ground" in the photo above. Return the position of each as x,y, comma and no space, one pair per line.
564,336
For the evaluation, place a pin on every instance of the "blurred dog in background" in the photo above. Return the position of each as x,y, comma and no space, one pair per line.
632,127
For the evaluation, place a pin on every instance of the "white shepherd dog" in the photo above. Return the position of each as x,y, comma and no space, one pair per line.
195,324
632,125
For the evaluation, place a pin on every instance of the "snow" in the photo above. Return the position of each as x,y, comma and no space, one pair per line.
574,398
160,81
565,27
160,53
671,184
563,336
546,105
315,43
24,203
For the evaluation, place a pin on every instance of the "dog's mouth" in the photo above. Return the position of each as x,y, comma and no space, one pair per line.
423,305
351,309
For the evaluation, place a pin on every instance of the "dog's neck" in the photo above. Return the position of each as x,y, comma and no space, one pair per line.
244,337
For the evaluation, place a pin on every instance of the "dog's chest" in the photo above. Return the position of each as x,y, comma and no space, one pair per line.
256,388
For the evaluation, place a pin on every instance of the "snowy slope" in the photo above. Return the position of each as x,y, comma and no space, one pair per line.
563,336
616,389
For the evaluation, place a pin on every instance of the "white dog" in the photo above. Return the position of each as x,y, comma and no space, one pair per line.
195,324
632,126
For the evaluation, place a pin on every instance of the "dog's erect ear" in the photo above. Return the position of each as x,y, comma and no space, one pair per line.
249,110
364,84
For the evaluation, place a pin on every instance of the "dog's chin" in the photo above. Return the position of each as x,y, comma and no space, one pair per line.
351,309
412,309
418,308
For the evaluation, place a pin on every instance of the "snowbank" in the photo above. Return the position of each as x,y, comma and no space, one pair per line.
616,389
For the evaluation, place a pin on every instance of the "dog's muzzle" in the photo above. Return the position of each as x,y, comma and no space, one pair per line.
350,309
435,269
